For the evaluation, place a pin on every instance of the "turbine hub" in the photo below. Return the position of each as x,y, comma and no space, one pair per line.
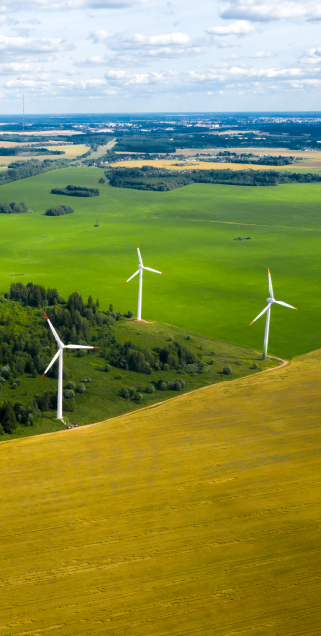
270,300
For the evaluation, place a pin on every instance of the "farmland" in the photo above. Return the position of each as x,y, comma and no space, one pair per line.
214,285
198,516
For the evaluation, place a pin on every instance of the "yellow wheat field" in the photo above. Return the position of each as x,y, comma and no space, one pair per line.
71,152
202,165
197,517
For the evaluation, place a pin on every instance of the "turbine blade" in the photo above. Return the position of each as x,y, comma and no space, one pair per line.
54,331
270,284
261,314
127,281
80,347
154,270
279,302
139,255
51,363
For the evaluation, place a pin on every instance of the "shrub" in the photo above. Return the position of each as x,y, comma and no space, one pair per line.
14,385
139,397
170,339
107,367
68,394
81,388
162,385
254,365
130,314
71,385
125,393
81,353
1,430
88,379
182,383
150,388
13,208
5,372
165,366
227,370
118,377
177,386
60,210
132,391
188,338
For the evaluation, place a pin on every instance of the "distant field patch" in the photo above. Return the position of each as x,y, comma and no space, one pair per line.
203,165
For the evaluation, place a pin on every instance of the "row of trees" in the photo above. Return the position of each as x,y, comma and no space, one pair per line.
76,191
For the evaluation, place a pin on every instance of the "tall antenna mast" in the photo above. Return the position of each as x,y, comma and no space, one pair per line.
23,112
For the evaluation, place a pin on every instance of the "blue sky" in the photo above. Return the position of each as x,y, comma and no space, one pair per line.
146,55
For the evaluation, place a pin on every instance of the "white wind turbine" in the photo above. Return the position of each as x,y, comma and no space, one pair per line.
140,290
59,355
270,301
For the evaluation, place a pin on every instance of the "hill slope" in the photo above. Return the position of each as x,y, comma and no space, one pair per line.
198,516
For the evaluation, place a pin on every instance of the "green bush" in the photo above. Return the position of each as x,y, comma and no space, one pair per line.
71,385
139,397
227,370
132,391
162,385
81,388
60,210
125,393
68,394
150,388
107,367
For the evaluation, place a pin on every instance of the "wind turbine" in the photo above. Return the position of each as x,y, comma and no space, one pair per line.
270,301
59,355
140,290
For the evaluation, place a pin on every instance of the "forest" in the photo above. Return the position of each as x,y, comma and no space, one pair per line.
158,179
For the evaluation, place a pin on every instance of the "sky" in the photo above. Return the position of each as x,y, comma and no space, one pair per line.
110,56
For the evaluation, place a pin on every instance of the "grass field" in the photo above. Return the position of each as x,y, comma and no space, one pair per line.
197,517
214,285
102,398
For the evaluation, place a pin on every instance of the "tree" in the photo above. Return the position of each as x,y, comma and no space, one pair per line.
8,418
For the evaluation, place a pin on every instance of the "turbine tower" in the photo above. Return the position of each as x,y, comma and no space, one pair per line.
270,301
59,355
140,289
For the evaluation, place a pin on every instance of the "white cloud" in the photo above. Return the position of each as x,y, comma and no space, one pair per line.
162,40
264,11
241,27
262,54
58,5
311,56
20,45
131,49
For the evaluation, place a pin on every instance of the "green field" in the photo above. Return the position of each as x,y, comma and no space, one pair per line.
214,285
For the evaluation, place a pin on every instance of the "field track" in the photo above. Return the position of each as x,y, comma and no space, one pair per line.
200,516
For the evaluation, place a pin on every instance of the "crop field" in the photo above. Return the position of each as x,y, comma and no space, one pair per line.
200,516
71,152
213,165
214,285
